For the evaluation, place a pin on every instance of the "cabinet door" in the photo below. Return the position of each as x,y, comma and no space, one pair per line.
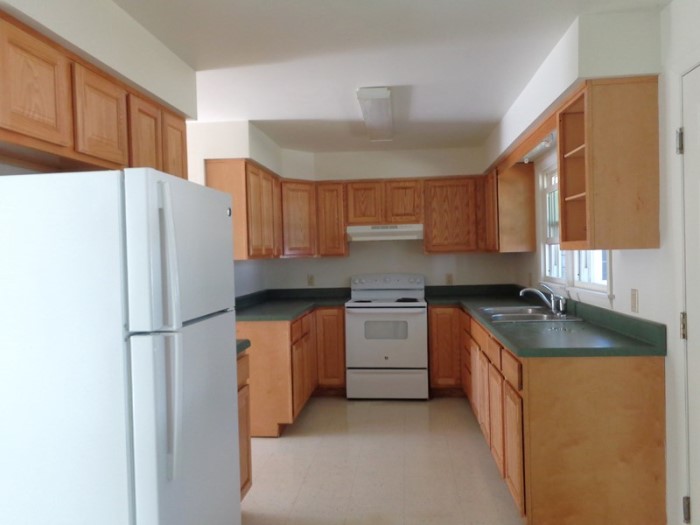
260,189
450,221
277,229
299,218
513,445
487,212
496,416
145,137
331,219
246,466
35,95
483,383
474,400
100,116
174,145
444,347
366,202
516,209
298,378
404,201
330,339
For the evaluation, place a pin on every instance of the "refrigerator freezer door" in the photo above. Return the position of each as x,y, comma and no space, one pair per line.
185,425
179,246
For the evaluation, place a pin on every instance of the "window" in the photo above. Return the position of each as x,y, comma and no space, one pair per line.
572,269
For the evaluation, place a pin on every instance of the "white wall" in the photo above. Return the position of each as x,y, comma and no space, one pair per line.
214,140
390,256
103,33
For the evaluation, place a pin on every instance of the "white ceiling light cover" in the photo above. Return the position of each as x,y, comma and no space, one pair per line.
375,103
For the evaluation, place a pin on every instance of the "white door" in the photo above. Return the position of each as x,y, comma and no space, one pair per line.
691,169
179,250
185,406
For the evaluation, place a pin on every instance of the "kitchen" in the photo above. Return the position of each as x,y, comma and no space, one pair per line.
661,299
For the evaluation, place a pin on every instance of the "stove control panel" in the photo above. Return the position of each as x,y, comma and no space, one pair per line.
388,281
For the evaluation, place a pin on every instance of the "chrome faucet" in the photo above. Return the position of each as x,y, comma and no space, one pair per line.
556,303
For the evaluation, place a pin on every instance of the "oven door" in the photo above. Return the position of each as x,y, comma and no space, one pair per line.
386,337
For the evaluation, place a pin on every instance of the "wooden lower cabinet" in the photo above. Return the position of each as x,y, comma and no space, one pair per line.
444,331
513,445
330,346
579,440
282,371
244,445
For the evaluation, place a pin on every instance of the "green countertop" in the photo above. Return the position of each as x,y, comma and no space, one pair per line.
612,333
242,345
601,333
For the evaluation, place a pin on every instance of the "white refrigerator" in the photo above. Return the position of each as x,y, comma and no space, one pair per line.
118,394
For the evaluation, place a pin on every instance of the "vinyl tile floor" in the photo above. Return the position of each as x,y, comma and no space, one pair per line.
378,463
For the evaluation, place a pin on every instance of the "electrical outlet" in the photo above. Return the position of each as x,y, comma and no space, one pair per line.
449,279
635,301
310,280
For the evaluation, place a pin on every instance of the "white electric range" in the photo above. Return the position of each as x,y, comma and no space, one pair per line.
386,337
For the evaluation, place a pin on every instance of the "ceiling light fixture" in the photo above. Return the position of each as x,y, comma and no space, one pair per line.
375,103
549,141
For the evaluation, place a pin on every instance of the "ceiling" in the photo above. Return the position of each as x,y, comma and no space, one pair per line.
293,67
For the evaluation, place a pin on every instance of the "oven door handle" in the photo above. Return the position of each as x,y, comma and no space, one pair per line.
403,311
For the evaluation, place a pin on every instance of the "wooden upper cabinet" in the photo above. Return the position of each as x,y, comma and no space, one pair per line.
256,198
299,218
385,202
330,198
145,134
404,201
100,116
450,215
35,87
174,145
608,142
516,209
365,202
487,212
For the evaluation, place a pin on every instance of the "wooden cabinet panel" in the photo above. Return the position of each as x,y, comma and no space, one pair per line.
496,416
145,134
244,445
404,201
299,218
608,149
513,445
330,342
35,87
100,116
277,227
444,349
516,209
365,202
332,239
512,369
450,220
174,145
483,396
299,384
487,212
474,400
260,190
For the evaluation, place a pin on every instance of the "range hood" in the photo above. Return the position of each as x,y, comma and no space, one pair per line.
385,232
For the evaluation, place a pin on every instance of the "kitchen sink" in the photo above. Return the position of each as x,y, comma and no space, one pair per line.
521,314
497,310
515,318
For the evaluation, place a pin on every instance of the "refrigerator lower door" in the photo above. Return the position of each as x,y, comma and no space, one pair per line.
186,465
179,250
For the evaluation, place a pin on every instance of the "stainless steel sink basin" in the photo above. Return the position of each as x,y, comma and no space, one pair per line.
496,310
522,314
530,317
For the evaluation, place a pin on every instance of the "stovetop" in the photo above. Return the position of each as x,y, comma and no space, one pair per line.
398,290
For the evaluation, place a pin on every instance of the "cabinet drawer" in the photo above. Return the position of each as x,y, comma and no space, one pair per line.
243,364
493,351
512,369
480,335
306,324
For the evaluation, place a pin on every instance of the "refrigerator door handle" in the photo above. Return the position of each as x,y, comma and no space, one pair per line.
172,284
174,401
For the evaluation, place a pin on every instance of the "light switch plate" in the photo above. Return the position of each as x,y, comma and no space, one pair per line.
634,300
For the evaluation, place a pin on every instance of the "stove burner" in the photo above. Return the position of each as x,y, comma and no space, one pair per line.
406,300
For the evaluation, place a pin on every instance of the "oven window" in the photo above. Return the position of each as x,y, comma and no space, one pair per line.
386,329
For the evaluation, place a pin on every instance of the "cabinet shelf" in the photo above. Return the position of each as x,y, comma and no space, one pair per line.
576,152
576,197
